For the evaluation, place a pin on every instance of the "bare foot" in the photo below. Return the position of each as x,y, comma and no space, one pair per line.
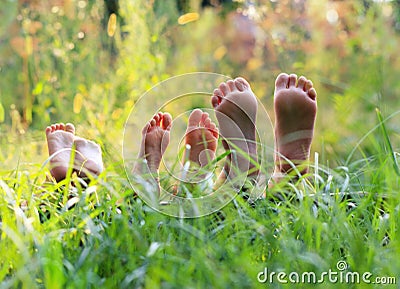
60,138
295,110
236,108
60,141
88,158
155,139
201,135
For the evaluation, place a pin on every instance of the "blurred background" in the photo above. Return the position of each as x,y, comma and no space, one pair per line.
87,62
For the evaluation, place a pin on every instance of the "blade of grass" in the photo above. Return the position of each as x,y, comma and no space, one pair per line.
387,142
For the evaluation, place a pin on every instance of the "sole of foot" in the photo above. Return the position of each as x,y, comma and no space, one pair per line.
235,107
155,139
88,159
60,139
295,113
202,136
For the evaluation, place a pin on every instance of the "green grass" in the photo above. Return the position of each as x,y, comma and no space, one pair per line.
104,237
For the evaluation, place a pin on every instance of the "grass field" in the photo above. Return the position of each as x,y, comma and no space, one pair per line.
337,227
105,238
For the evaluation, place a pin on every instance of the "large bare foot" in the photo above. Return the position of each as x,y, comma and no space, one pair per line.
155,139
295,110
201,135
88,159
236,108
60,139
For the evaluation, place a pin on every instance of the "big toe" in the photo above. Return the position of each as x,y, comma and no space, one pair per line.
241,84
69,127
282,81
166,121
195,117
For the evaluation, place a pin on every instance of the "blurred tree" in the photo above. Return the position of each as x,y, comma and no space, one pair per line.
396,15
112,7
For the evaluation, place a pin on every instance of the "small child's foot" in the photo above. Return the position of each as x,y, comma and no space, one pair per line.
60,138
60,141
236,108
201,135
295,110
88,158
155,139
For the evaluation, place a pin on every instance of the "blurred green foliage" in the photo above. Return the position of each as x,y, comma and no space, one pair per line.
58,64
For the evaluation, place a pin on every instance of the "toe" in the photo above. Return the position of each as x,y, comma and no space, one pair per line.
223,87
214,101
153,122
214,131
62,126
218,93
166,121
48,130
282,81
160,117
292,80
312,93
241,84
308,85
69,127
195,117
231,85
146,128
157,120
204,117
301,83
53,127
207,123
